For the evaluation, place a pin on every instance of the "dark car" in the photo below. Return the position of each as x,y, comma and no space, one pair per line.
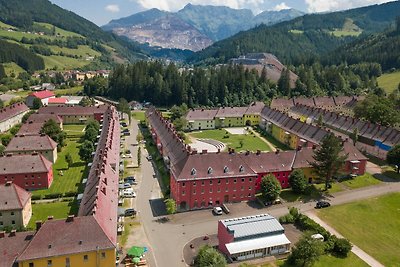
127,133
322,204
130,212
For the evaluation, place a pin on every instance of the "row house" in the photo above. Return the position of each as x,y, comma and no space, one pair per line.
30,172
12,115
75,114
42,144
15,206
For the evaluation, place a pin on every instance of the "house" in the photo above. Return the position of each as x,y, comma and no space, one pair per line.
12,115
30,172
252,237
230,117
15,206
30,128
44,96
43,118
57,101
48,86
252,116
42,144
75,114
72,100
201,119
12,245
75,241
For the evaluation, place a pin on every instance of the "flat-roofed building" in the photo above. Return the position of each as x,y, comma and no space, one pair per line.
252,237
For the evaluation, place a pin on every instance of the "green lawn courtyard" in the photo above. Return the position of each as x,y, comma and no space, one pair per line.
239,142
372,224
40,211
64,179
138,115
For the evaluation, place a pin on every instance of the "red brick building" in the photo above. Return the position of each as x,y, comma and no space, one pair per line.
27,171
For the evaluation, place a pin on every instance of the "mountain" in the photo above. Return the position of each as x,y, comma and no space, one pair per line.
305,38
167,32
62,39
213,22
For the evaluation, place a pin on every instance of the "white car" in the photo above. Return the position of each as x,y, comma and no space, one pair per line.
128,193
217,210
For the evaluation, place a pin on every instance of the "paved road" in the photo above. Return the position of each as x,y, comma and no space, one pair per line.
356,250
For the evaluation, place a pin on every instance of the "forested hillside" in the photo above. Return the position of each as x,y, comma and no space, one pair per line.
23,57
305,38
383,48
228,85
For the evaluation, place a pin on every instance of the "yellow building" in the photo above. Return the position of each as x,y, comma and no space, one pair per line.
80,242
15,208
302,161
252,116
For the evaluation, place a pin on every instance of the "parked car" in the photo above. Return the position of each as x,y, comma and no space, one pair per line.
225,209
128,193
217,210
130,212
276,201
124,186
149,157
129,156
127,133
322,204
130,181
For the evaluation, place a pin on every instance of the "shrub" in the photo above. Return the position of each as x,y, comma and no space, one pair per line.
330,243
342,247
305,223
50,196
285,219
70,194
36,197
298,182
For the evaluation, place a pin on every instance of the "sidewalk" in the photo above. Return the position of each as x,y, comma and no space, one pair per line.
356,250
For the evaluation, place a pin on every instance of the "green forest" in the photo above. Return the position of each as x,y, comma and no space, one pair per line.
23,57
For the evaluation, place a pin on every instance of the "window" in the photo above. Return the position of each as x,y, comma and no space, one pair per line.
242,188
202,191
234,181
103,255
210,182
194,183
31,264
49,263
12,222
241,168
250,188
210,190
194,191
250,179
226,169
183,192
193,172
85,257
219,189
1,223
1,214
12,213
226,189
219,181
67,262
183,184
202,183
242,180
227,181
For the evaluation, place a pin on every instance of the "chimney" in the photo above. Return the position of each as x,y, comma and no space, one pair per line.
104,190
194,152
49,218
70,218
12,233
38,225
258,152
8,183
204,151
2,234
219,150
277,152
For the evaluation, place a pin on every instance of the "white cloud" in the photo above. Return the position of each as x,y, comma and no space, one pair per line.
174,5
334,5
281,6
112,8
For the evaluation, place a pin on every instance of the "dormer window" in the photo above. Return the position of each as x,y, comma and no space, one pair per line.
241,168
193,172
210,170
226,169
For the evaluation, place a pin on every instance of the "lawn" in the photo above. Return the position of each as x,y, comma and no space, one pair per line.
341,33
372,224
390,172
67,180
138,115
249,141
69,91
75,128
12,68
62,63
82,51
41,211
389,81
361,181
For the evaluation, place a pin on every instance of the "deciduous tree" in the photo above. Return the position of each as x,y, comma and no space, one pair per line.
270,186
297,181
393,157
86,150
307,250
208,257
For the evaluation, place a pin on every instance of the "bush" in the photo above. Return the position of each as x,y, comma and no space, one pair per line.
342,247
51,196
70,194
38,197
305,223
330,243
286,219
298,182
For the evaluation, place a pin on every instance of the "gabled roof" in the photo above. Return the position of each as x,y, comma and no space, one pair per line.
279,103
31,143
201,114
66,237
31,128
269,162
42,118
20,164
75,110
13,197
58,100
12,245
255,108
12,111
43,94
303,158
231,112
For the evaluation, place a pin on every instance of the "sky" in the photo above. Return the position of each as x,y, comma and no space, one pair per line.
102,11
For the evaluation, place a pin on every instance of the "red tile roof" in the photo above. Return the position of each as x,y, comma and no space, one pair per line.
231,112
201,114
58,100
63,237
75,110
11,246
12,111
36,118
31,143
269,162
13,197
255,108
20,164
43,94
31,128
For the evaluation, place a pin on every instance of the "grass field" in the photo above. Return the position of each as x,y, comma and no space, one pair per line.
82,50
70,180
59,31
389,81
138,115
390,172
250,142
41,211
341,33
69,91
296,31
12,68
372,224
361,181
61,63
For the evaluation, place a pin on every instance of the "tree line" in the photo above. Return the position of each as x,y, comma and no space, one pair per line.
10,52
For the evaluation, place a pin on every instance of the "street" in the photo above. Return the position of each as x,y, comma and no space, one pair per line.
166,239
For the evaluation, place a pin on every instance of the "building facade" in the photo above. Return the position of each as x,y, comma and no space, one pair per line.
15,206
12,115
44,97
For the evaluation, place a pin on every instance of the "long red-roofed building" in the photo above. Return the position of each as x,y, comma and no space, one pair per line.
43,96
12,115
